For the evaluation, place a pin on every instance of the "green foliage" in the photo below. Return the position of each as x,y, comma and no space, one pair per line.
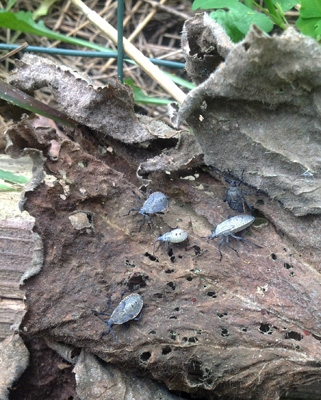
309,21
16,182
10,4
239,17
43,9
140,96
23,21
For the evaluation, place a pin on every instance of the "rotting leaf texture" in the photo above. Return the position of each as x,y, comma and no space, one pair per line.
259,111
109,109
247,326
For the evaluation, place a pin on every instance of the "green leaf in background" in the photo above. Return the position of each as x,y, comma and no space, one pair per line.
140,97
226,20
239,19
310,8
309,21
43,9
208,4
286,5
6,188
10,177
23,21
10,4
182,82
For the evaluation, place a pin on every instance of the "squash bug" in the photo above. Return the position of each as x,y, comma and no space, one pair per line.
229,227
235,195
129,308
155,203
175,236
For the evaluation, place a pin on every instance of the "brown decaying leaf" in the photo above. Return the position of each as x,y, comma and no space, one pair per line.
259,111
247,326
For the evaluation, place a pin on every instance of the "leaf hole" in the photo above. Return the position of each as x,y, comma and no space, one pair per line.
225,332
293,335
171,285
266,329
144,357
166,350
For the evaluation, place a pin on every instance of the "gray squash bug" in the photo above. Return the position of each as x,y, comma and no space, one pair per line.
235,195
229,227
129,308
175,236
155,203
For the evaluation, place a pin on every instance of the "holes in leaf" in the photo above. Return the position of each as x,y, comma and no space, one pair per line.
225,332
173,335
171,285
144,357
221,315
189,279
293,335
137,281
173,317
129,264
195,373
292,273
197,250
260,202
176,309
273,256
166,350
158,295
246,46
180,257
193,339
244,329
287,266
212,294
151,257
266,329
152,332
169,271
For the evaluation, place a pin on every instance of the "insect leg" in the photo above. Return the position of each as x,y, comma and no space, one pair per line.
246,202
140,228
246,240
133,209
138,200
161,243
228,245
219,249
113,333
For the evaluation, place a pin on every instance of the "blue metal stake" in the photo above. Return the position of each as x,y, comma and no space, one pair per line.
120,46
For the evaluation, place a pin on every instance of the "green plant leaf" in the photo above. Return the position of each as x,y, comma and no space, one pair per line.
286,5
238,21
43,9
244,18
226,20
11,3
10,177
309,21
180,81
6,188
310,8
208,4
140,96
23,21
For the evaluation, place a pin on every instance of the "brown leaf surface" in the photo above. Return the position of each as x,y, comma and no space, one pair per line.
259,111
246,327
109,109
